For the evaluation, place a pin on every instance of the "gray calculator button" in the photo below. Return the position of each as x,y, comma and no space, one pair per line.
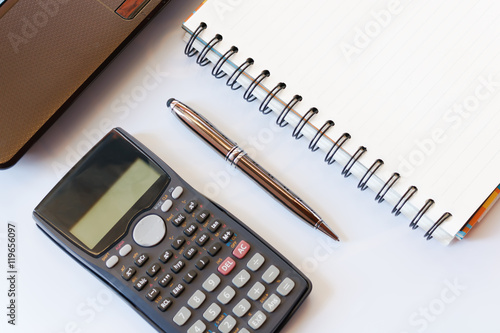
227,324
111,262
257,320
212,312
286,287
177,192
272,303
226,295
125,250
241,278
197,299
256,291
271,274
242,308
244,330
211,283
182,316
149,231
166,205
256,261
198,327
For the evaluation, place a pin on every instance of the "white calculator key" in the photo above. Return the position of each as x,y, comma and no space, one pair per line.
241,278
242,308
197,299
211,283
256,291
212,312
257,320
177,192
256,262
111,262
272,303
182,316
226,295
286,287
125,250
271,274
198,327
227,324
166,206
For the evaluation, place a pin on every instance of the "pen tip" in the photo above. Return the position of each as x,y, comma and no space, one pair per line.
170,102
324,228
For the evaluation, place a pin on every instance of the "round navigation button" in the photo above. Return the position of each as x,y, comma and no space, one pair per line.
149,231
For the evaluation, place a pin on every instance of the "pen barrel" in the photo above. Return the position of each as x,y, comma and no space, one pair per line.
277,190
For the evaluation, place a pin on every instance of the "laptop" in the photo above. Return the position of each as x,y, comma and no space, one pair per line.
50,50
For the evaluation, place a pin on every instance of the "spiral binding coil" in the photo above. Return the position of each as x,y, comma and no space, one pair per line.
248,95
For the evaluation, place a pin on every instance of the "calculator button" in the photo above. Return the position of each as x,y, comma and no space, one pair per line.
241,250
164,304
286,287
178,290
244,330
198,327
141,283
241,279
256,291
197,299
141,259
226,236
149,231
191,205
214,226
182,316
166,256
125,250
190,276
256,262
226,295
211,283
212,312
178,266
178,242
202,216
214,249
226,266
272,303
165,207
202,239
179,219
271,274
152,294
227,324
190,230
177,192
190,253
242,308
153,270
257,320
112,261
128,273
200,264
165,280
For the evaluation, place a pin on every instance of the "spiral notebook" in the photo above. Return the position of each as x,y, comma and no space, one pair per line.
402,95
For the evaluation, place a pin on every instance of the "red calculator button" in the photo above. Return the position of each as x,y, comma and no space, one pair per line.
241,250
227,266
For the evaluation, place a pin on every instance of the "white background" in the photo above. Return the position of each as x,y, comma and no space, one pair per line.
383,277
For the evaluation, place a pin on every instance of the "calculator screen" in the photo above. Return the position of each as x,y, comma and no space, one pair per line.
114,203
95,203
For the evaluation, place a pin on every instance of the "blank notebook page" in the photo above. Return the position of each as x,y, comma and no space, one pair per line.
415,82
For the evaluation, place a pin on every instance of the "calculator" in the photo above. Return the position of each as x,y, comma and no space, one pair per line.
180,260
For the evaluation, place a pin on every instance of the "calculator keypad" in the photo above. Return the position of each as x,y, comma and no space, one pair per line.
208,273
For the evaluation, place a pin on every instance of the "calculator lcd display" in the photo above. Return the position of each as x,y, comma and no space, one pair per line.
114,203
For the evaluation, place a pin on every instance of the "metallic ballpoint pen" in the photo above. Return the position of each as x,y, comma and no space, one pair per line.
238,158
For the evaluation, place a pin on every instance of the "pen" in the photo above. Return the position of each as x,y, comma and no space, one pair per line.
238,158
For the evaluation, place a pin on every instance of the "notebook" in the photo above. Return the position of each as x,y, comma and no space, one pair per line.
401,95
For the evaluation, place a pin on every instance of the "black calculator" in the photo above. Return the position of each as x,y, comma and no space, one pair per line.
180,260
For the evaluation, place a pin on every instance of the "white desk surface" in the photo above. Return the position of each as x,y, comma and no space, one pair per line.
383,277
